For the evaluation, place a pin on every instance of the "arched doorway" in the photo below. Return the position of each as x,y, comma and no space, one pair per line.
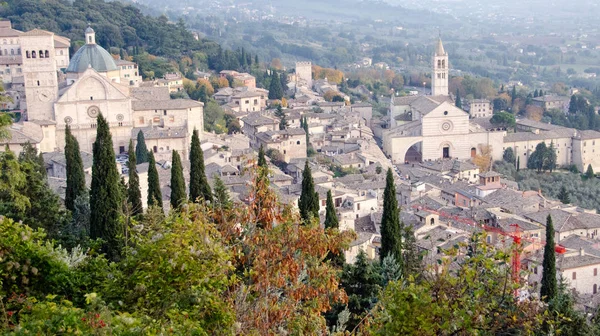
414,153
446,152
473,152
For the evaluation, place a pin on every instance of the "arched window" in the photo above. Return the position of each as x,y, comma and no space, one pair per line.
12,51
27,54
443,64
33,54
18,51
89,39
41,54
47,54
439,64
432,221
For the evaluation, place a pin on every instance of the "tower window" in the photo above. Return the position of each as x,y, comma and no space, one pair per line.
89,39
27,54
47,54
443,64
38,83
33,54
41,54
91,98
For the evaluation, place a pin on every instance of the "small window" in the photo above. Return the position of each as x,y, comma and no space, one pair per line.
445,112
595,272
574,277
535,270
164,112
141,120
357,206
323,202
91,98
297,142
47,54
121,149
155,149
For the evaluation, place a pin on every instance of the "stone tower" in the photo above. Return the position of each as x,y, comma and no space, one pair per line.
439,77
40,72
304,74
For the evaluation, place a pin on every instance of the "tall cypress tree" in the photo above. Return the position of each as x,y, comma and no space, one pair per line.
331,219
141,151
105,194
75,174
458,101
262,161
275,89
513,95
309,200
549,284
134,194
391,229
178,195
154,193
199,187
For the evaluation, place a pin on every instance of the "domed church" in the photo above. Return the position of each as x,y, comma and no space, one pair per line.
95,83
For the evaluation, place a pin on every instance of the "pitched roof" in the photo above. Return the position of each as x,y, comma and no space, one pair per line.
171,104
24,132
151,93
37,32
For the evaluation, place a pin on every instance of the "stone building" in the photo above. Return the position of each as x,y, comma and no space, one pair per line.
304,74
480,108
94,84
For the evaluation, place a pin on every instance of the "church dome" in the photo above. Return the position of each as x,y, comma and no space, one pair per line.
94,55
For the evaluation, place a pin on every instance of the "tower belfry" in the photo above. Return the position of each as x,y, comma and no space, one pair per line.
439,76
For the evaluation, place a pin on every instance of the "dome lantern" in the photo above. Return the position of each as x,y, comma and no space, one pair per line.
90,35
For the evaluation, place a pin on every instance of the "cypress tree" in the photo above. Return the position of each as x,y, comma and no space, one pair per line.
221,193
331,219
141,151
549,283
178,195
309,201
134,195
75,174
262,161
513,95
589,173
391,230
105,194
458,102
563,195
275,90
154,193
199,187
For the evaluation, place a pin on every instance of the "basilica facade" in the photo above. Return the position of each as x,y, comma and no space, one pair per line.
94,83
425,128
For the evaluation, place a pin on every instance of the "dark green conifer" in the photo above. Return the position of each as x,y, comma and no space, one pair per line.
105,194
134,195
221,194
589,173
458,102
563,195
309,201
549,283
154,193
178,195
75,175
262,161
391,228
331,219
199,188
141,151
275,89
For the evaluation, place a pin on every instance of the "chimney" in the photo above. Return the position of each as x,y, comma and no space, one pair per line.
581,251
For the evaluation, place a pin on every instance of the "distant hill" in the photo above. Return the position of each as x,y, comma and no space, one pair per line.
116,24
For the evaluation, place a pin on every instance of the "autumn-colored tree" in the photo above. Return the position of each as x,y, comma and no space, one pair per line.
483,159
276,64
210,90
534,112
330,95
332,75
284,284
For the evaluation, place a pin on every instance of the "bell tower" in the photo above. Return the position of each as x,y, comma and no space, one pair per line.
40,73
439,76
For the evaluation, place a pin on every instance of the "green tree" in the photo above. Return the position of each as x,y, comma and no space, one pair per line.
75,175
331,219
518,163
154,192
458,102
178,195
563,195
412,259
141,151
503,119
275,89
262,161
134,194
509,155
550,158
513,95
309,200
105,195
199,187
283,123
538,160
589,173
391,227
221,194
549,284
